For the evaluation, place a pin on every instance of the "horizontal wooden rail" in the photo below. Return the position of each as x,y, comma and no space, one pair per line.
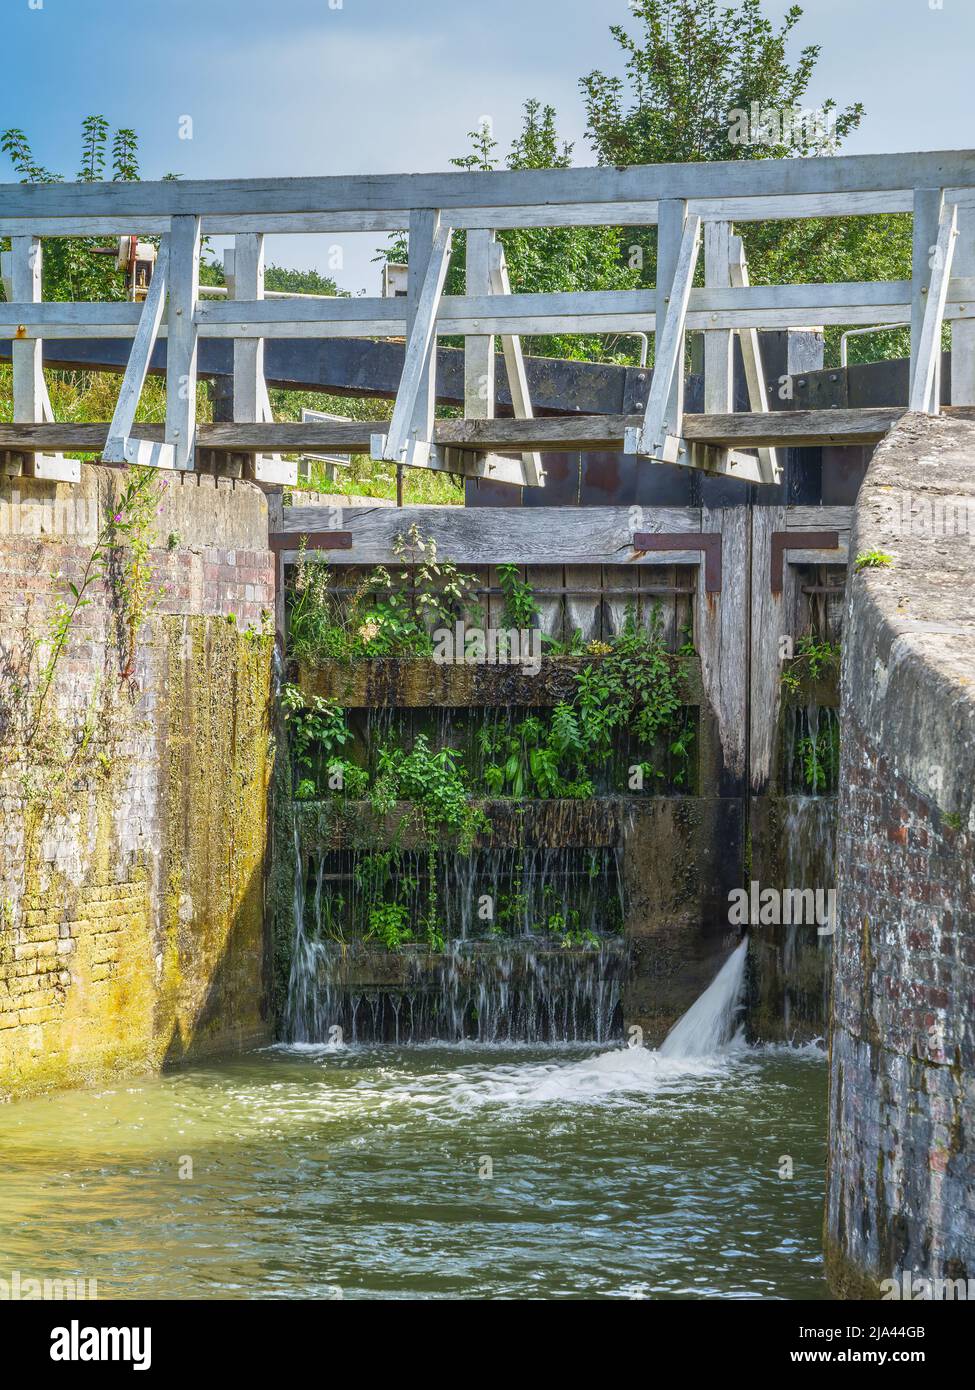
548,189
742,430
597,311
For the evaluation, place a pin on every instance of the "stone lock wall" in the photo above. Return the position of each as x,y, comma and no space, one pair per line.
133,814
902,1050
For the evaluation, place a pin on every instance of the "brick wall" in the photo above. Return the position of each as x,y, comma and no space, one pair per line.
901,1182
133,816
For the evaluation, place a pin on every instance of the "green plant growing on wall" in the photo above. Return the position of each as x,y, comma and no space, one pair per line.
125,530
390,924
131,541
872,560
436,784
813,657
819,758
388,613
319,730
520,609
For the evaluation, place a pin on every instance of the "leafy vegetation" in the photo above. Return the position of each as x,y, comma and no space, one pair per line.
387,614
813,657
687,67
818,756
872,560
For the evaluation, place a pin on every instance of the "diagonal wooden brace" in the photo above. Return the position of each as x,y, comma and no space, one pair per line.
402,443
660,436
119,446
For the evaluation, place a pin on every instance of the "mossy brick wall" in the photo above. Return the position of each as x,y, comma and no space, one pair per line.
902,1046
134,820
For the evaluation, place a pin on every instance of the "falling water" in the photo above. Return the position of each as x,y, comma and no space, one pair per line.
534,983
710,1022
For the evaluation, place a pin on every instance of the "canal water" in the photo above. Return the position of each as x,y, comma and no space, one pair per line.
558,1172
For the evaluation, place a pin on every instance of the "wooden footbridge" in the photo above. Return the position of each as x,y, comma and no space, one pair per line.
693,206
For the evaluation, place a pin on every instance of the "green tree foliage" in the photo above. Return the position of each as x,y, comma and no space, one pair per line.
543,259
72,268
689,68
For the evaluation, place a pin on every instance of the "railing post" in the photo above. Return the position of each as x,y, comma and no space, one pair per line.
927,215
718,394
181,350
424,224
479,374
671,215
963,330
31,404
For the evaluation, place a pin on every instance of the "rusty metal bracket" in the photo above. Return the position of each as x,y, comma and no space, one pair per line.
797,540
709,542
280,541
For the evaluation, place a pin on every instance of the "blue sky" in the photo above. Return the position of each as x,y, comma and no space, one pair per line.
318,86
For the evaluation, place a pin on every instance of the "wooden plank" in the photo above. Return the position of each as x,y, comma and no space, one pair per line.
926,357
742,430
31,403
410,430
583,604
181,351
963,333
248,284
551,607
118,447
615,604
634,213
251,401
608,184
721,628
928,202
751,354
677,250
771,616
801,518
514,362
607,311
718,379
503,535
479,373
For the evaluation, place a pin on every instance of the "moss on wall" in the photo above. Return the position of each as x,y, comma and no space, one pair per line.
135,822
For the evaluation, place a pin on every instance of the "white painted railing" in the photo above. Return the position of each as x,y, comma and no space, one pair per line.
689,204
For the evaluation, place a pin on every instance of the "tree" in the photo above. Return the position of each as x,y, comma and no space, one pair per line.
542,259
710,83
73,268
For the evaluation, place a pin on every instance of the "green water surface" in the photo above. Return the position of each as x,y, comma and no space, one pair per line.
432,1172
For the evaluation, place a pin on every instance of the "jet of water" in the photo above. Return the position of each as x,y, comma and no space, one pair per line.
709,1024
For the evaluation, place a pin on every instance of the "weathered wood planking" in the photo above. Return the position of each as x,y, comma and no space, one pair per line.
771,618
501,535
633,213
963,333
722,639
551,608
800,518
864,173
182,340
742,430
615,605
583,601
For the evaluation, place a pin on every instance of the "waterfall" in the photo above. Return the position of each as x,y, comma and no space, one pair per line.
709,1024
552,972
